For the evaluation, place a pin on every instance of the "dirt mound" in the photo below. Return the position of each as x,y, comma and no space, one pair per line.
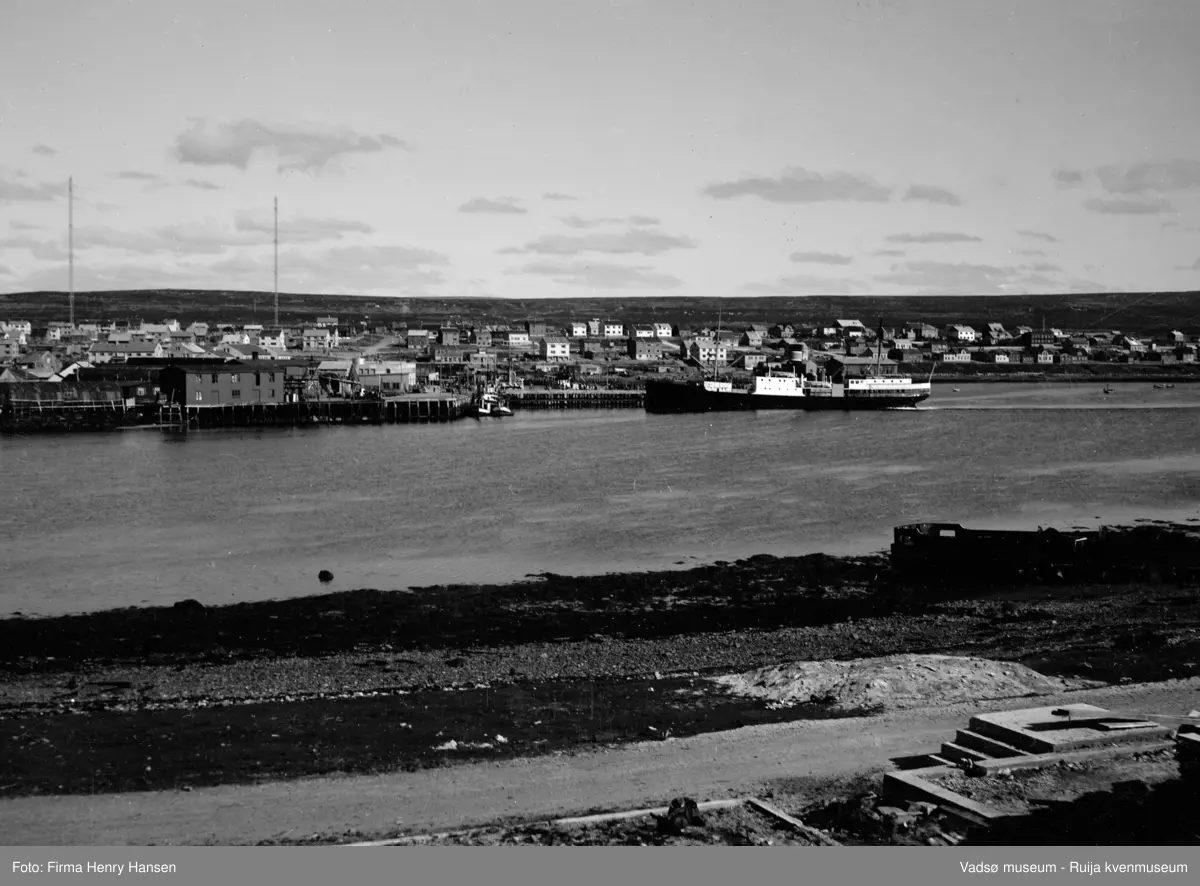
896,681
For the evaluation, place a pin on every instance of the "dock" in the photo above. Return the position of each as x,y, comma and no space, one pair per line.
405,409
576,399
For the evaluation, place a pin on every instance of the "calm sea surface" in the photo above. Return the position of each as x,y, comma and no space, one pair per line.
133,518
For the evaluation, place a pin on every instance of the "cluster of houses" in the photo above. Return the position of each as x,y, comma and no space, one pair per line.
424,351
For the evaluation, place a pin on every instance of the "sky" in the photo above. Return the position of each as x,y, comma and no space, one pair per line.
554,148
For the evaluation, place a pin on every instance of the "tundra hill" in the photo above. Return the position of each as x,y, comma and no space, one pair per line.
1130,312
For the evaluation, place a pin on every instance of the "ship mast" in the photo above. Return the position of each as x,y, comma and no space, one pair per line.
716,344
878,346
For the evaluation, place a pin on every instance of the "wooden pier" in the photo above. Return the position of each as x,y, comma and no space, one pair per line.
576,399
35,416
407,409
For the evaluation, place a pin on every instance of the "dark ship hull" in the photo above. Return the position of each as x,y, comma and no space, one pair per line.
676,397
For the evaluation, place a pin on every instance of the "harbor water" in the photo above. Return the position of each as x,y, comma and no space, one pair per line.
133,518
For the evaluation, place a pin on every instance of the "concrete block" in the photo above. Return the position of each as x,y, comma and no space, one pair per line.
960,754
905,786
992,747
1060,729
1039,761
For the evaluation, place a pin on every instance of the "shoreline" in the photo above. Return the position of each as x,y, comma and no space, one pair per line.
369,682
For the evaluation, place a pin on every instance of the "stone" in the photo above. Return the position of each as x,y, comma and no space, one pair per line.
325,575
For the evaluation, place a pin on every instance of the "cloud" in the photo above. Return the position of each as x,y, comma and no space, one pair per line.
7,270
890,252
503,205
134,175
349,270
304,230
934,237
209,142
1030,252
18,225
599,275
201,184
1067,178
1170,224
1047,267
820,258
1152,175
47,250
1039,235
941,278
554,195
44,150
799,185
633,241
250,229
931,194
575,221
1124,206
805,284
14,191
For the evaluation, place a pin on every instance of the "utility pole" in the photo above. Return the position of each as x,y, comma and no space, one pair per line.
276,262
71,247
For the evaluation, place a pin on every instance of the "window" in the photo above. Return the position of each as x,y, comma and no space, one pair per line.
271,393
199,396
236,393
141,392
271,377
214,378
234,377
257,379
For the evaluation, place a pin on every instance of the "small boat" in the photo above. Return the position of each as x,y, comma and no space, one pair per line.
1108,389
489,405
1161,387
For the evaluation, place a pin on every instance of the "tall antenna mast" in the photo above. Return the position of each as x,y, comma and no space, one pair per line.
276,262
71,247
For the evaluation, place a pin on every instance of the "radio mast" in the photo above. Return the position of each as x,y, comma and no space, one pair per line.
276,262
71,247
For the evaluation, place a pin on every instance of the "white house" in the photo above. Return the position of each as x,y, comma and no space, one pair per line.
642,331
119,352
613,329
956,333
707,350
577,330
554,348
319,339
662,330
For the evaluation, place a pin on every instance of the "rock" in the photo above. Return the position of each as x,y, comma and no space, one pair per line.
682,813
325,575
188,605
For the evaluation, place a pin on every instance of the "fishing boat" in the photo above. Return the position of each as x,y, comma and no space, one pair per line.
1162,387
787,388
488,404
1108,389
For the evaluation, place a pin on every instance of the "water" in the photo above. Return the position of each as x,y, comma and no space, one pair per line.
135,518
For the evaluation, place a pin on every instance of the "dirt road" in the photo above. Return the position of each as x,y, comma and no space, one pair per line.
706,767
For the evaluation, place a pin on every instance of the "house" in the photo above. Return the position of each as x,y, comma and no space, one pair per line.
320,338
751,338
222,384
1070,357
121,352
781,330
184,350
417,339
198,330
446,354
480,335
512,338
706,350
841,368
271,338
234,338
553,347
994,334
662,330
594,328
961,355
997,356
327,322
922,331
958,334
1176,337
613,329
1185,354
535,329
449,336
482,360
387,376
646,348
10,346
749,360
850,329
1032,338
20,327
641,331
577,330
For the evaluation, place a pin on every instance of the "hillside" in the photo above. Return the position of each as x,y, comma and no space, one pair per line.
1130,312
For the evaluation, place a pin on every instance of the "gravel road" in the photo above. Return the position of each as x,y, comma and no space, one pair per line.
710,766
